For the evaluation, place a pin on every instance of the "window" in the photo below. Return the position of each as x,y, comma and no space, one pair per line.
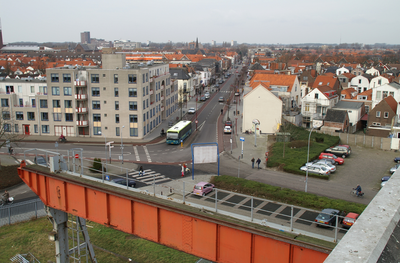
68,104
378,95
133,119
132,78
6,115
115,78
19,115
95,78
45,129
384,94
144,91
9,89
69,117
43,90
144,78
116,92
95,92
316,96
55,91
132,92
54,77
31,116
16,128
386,114
359,81
307,107
96,117
67,91
33,101
391,93
67,78
147,77
132,105
116,118
96,105
43,103
4,103
366,108
32,89
147,90
133,132
379,81
7,127
56,104
57,116
378,114
117,105
117,131
44,116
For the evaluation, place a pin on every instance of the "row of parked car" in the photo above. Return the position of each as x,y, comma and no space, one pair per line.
392,170
325,164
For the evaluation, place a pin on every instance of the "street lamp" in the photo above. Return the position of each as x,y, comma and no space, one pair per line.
105,145
308,156
122,148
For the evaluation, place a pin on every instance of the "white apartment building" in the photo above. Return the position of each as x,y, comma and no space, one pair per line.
116,101
381,92
359,83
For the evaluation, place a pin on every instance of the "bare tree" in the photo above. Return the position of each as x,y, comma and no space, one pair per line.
8,132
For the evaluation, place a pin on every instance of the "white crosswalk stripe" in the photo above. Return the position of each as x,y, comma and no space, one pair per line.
136,153
28,162
147,154
149,177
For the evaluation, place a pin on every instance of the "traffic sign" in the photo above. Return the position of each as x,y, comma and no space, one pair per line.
107,177
109,143
242,139
77,156
197,121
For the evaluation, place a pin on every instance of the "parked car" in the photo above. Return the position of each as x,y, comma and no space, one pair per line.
221,99
207,95
349,220
384,180
228,123
323,163
40,160
327,217
338,160
237,93
122,181
347,146
203,98
397,160
341,151
394,168
191,111
228,129
316,169
331,161
221,81
203,188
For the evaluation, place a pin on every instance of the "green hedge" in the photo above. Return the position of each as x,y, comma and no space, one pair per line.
284,195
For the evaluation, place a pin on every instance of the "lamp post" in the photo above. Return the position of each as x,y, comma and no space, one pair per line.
105,145
308,156
122,148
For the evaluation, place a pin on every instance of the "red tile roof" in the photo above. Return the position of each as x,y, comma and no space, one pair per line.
274,79
392,103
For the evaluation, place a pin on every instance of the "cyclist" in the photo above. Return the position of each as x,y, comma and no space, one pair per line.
5,197
358,190
10,150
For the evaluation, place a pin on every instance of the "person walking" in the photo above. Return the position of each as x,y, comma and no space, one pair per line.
252,162
183,170
141,171
258,163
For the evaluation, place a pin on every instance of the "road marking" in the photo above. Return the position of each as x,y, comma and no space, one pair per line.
147,154
136,153
28,162
149,177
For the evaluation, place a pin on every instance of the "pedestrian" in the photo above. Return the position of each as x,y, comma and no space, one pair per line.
183,170
252,162
141,173
258,163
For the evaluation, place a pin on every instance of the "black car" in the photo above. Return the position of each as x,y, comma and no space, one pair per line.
122,181
327,217
341,151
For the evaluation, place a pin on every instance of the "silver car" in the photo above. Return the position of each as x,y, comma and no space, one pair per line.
325,163
393,169
316,169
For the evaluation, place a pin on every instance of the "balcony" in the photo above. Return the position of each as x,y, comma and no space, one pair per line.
82,123
162,108
162,98
81,96
80,83
151,92
162,87
81,109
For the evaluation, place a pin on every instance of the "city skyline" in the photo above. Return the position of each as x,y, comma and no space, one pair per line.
270,22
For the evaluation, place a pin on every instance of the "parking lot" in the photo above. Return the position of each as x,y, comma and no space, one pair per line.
366,167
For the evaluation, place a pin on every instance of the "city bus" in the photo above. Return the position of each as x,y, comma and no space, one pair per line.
178,132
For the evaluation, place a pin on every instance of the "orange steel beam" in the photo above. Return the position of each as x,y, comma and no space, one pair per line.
193,233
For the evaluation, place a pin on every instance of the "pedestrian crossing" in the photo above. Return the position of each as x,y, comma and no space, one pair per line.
28,162
149,177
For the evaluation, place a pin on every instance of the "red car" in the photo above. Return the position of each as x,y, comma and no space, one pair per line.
338,160
350,219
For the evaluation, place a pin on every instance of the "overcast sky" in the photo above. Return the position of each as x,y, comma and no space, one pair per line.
252,21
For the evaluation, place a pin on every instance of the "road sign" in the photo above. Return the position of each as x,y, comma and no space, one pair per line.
109,143
107,177
242,139
77,156
196,121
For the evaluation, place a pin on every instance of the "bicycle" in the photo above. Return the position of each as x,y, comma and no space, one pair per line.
354,192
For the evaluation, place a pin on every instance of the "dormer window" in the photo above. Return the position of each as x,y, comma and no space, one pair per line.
320,83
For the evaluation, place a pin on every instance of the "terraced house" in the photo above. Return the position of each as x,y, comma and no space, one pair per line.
117,100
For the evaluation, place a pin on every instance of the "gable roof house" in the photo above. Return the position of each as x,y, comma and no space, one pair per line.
327,80
355,111
378,81
184,80
382,92
315,105
382,117
263,105
359,83
336,120
285,87
345,79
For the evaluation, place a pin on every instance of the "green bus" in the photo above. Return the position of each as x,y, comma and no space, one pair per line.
179,132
